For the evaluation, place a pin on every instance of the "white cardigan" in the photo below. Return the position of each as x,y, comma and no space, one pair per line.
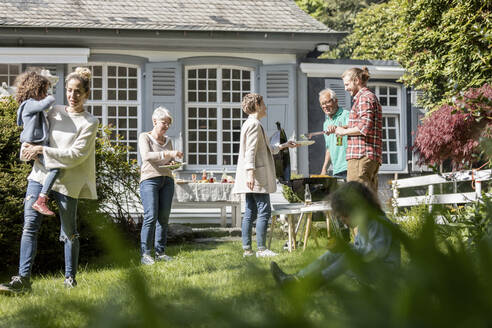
255,153
72,149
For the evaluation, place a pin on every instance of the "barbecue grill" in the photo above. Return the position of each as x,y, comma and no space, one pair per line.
319,186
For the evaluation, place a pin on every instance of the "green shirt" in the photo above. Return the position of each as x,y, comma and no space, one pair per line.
337,153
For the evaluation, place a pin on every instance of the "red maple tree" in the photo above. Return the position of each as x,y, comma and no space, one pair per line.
453,131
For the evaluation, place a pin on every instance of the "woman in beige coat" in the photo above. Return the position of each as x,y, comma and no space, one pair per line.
255,174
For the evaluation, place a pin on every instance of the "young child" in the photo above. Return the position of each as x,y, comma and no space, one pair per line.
376,242
32,95
255,174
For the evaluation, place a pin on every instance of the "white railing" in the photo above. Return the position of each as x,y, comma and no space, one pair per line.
429,181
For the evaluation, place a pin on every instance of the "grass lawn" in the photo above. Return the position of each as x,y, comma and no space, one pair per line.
206,285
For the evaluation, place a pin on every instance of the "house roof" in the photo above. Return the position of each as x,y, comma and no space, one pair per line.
170,15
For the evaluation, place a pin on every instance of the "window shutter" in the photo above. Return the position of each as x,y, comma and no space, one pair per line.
163,87
344,99
278,88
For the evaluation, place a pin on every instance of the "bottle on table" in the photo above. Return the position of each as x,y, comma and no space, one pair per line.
307,195
223,178
204,174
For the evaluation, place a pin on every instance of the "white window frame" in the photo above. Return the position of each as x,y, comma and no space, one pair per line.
105,103
397,112
19,67
219,105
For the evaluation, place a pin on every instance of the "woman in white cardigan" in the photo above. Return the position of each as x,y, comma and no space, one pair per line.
72,148
156,186
255,174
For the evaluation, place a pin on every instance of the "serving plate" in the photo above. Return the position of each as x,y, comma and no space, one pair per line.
173,166
305,142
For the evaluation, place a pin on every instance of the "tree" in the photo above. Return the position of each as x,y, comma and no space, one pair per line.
453,131
444,45
375,34
338,15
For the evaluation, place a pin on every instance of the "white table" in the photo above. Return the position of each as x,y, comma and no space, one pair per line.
209,195
291,211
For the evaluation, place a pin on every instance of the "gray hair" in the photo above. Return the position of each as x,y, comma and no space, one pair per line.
161,113
332,93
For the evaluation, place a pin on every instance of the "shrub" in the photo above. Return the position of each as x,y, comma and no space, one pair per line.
13,183
117,182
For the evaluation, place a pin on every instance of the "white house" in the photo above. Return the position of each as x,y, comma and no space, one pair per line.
198,58
195,57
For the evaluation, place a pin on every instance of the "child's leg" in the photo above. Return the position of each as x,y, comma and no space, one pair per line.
41,204
49,181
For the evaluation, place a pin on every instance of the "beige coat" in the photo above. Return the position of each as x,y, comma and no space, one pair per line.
255,154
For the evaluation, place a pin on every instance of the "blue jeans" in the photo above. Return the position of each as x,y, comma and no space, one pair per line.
50,180
157,196
32,223
328,266
257,208
342,174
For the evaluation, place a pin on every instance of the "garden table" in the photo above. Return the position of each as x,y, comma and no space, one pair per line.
209,195
303,212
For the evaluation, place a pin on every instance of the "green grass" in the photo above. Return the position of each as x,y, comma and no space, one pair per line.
206,285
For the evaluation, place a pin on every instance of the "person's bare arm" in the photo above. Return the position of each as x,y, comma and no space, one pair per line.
326,162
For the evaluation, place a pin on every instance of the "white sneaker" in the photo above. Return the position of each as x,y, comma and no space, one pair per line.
266,253
248,253
147,260
162,257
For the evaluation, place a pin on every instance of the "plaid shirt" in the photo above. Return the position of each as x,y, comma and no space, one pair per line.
366,114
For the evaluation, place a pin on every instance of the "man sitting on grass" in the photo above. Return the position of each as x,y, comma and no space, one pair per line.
375,241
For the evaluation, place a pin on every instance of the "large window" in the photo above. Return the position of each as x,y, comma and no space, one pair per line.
8,73
389,96
115,100
213,113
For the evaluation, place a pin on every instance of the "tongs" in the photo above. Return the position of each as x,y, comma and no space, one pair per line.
312,134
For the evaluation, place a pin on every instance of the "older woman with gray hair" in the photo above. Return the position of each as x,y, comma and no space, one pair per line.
156,186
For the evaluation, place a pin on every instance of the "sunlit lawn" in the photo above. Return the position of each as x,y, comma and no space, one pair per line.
206,285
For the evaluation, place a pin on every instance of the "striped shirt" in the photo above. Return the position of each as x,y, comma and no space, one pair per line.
366,114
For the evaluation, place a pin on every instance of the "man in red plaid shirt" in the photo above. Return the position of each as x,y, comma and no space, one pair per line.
364,130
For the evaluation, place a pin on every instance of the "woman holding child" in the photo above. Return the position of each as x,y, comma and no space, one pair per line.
72,135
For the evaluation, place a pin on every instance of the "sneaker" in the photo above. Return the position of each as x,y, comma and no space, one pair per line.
265,253
162,257
70,282
41,205
17,285
283,279
147,260
248,253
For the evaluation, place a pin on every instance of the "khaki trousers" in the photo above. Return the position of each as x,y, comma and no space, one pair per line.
364,170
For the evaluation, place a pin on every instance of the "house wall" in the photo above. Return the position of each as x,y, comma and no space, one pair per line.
156,56
162,81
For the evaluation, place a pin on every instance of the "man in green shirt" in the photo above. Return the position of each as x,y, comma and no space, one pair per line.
335,146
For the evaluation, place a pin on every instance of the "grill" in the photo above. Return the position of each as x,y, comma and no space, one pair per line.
320,187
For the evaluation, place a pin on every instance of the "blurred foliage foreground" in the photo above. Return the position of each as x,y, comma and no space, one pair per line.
444,282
